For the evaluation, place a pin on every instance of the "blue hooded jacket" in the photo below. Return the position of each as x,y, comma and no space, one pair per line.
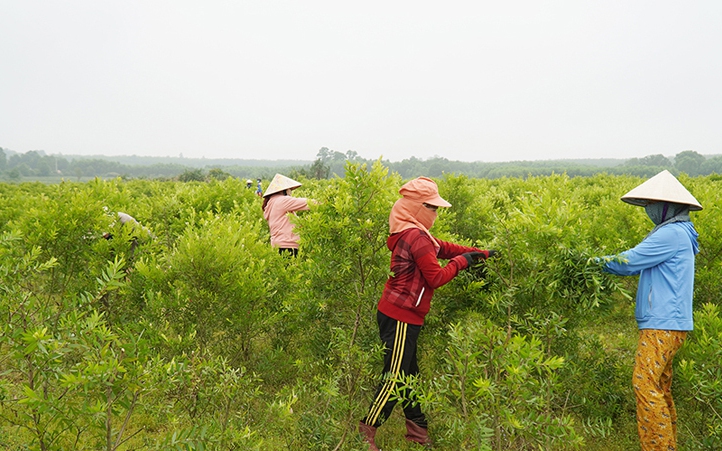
664,262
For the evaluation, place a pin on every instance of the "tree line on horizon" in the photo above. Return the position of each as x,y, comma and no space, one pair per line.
38,166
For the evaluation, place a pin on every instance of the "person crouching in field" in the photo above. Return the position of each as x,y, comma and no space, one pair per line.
277,205
664,261
127,220
406,300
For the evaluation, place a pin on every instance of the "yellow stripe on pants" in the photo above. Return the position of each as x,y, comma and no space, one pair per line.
397,356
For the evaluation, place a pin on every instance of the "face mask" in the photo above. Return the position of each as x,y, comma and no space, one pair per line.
657,212
660,212
426,217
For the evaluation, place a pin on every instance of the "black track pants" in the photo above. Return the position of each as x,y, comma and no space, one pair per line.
400,359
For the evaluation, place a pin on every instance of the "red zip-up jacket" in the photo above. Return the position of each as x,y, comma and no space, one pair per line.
416,273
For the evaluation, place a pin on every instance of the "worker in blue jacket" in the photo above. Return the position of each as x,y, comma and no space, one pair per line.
664,261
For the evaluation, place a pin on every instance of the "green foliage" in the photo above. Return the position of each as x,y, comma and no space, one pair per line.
345,263
689,162
708,223
218,284
75,385
658,160
317,170
36,165
188,331
344,244
700,372
218,174
496,391
63,223
192,175
224,398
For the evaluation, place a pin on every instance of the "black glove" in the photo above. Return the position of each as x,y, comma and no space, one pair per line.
473,257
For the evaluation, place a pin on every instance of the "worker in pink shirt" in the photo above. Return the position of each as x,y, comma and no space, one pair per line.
278,205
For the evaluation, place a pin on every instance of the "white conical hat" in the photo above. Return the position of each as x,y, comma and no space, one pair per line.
280,183
663,187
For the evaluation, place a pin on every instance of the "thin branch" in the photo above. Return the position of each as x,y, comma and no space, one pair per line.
119,440
131,436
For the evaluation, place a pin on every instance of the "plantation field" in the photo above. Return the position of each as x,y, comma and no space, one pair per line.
191,333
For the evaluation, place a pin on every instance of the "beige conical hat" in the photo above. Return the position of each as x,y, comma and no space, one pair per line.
280,183
663,187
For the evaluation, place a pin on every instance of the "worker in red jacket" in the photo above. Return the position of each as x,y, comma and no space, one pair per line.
406,299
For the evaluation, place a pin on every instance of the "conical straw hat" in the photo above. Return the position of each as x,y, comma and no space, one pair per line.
663,187
280,183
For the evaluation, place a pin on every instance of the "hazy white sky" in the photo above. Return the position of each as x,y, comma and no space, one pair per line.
275,79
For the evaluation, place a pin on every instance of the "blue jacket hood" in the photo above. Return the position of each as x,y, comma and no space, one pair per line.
693,235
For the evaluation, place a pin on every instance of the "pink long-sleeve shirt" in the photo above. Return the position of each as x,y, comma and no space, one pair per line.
277,212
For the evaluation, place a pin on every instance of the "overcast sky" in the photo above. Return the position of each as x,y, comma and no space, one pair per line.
267,79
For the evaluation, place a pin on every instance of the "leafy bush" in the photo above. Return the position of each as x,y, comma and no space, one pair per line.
190,332
699,371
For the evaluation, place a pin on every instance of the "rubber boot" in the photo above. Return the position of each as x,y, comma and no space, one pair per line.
418,434
369,434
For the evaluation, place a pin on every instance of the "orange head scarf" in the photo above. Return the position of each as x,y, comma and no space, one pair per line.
410,212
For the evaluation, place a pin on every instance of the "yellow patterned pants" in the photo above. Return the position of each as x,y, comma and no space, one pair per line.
652,380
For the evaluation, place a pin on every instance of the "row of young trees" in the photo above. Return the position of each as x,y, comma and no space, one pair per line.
329,162
192,333
37,165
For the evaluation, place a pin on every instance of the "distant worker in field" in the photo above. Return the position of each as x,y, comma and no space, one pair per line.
259,188
406,299
127,220
249,183
278,204
664,261
123,218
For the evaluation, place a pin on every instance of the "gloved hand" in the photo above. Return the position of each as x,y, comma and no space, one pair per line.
473,257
